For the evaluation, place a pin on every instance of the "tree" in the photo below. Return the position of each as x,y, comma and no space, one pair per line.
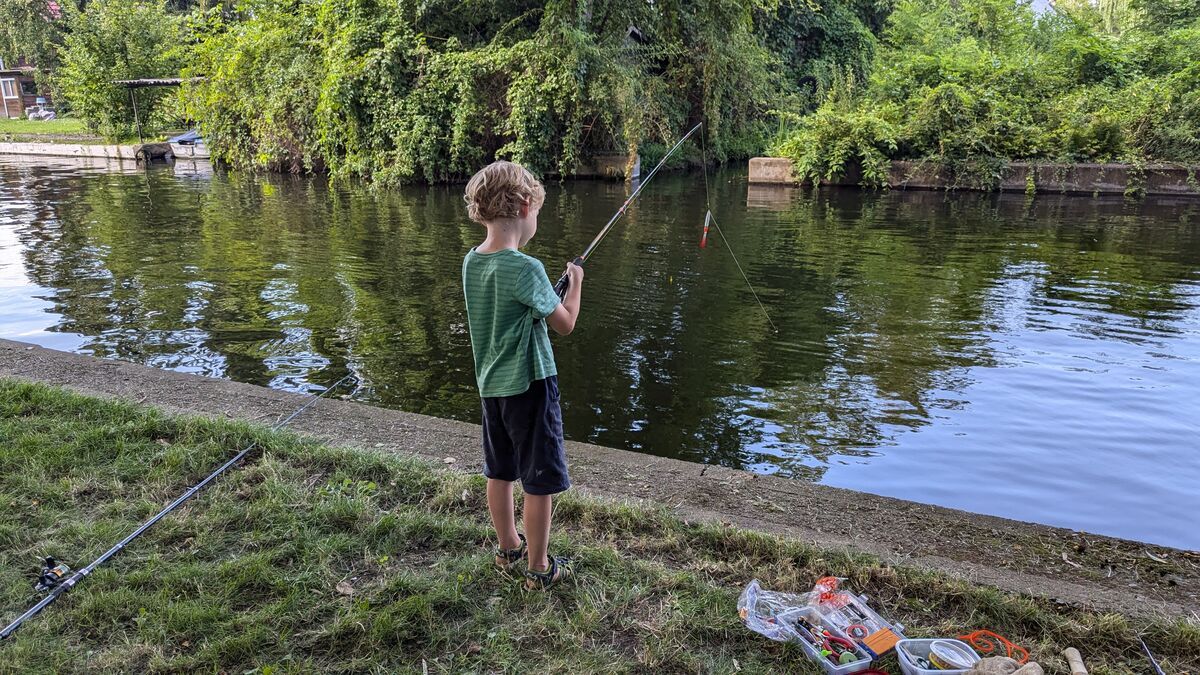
117,40
32,30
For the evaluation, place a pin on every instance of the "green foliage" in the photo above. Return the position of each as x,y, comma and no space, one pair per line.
410,90
117,40
840,134
430,89
31,30
970,86
260,84
817,42
1159,15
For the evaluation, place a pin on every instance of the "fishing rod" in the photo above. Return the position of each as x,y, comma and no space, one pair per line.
1154,663
561,286
54,576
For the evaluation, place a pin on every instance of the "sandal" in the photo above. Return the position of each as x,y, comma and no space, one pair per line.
559,570
506,558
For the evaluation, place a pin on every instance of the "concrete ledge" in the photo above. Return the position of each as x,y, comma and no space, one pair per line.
181,166
1092,179
129,152
1007,554
122,152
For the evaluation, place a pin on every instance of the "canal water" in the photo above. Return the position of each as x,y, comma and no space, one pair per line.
1037,359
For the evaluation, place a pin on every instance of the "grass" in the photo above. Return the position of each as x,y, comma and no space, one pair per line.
244,578
30,129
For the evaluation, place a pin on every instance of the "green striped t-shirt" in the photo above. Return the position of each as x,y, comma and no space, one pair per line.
507,291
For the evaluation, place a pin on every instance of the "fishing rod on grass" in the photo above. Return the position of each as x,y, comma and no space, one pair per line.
54,578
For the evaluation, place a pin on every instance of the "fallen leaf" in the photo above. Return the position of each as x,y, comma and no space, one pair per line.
345,588
466,495
450,460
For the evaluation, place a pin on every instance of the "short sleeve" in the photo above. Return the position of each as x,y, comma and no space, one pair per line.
534,290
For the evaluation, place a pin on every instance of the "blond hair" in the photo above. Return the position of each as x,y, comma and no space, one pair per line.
499,190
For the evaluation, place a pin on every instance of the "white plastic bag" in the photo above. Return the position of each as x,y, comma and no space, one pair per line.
767,612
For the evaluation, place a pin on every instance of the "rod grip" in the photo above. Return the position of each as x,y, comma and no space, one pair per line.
561,286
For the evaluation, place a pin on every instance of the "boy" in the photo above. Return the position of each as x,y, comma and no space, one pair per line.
510,302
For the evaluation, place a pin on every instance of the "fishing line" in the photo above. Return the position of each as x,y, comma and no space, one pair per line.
55,579
561,286
709,217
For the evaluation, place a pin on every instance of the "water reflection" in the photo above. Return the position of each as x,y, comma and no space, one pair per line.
899,316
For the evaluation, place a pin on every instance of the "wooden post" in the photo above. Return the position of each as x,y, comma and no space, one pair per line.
138,122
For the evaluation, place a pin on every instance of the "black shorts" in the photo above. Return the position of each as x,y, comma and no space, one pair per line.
523,439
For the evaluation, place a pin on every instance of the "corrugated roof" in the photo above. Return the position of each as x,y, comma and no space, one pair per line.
157,82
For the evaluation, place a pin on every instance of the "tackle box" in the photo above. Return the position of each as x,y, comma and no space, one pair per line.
775,615
812,615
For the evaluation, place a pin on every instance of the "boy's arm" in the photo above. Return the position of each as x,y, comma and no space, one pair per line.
562,319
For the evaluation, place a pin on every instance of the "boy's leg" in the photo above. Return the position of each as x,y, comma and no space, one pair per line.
538,510
536,427
499,465
500,506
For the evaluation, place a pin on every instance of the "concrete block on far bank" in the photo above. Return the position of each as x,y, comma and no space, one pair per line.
772,171
1106,179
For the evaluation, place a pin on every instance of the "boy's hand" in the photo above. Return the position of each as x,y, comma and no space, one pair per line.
562,320
574,274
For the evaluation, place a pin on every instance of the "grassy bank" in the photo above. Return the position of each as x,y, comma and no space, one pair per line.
247,576
64,130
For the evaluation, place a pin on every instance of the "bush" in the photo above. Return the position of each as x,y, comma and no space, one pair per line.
969,86
842,135
406,90
117,40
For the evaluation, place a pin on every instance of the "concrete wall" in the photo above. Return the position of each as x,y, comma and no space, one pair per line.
1016,177
128,152
96,151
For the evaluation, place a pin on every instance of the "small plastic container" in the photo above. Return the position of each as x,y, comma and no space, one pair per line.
812,615
906,649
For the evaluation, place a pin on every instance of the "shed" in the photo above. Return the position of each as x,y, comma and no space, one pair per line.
19,89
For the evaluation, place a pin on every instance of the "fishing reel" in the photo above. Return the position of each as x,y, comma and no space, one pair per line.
53,574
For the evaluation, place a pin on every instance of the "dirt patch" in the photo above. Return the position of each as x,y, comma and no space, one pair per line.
1084,570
